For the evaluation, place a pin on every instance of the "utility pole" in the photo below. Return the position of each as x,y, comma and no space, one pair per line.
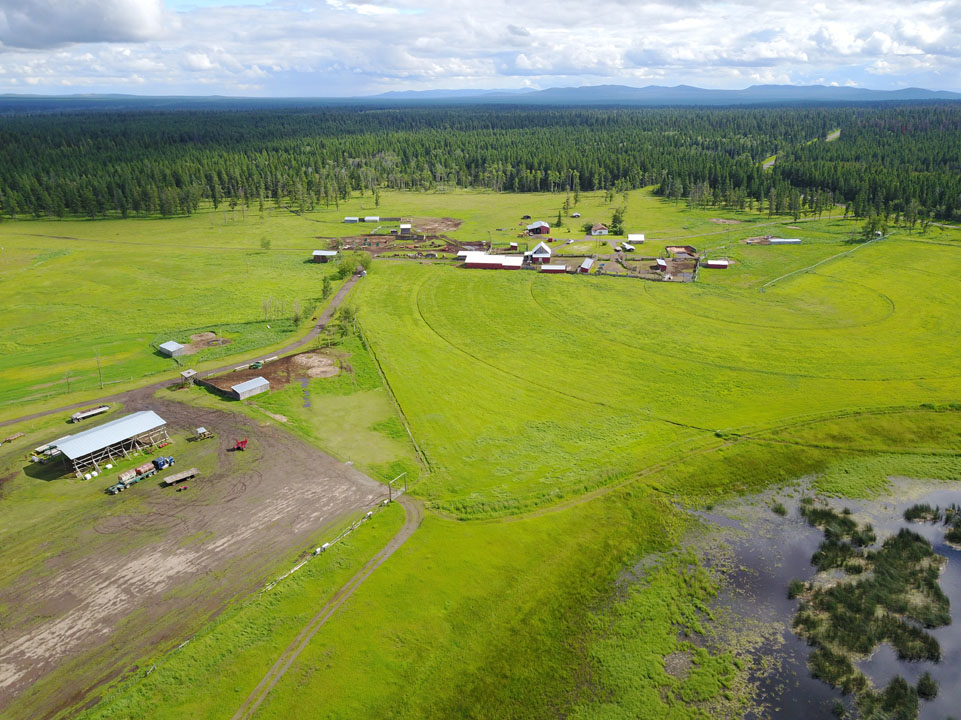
99,371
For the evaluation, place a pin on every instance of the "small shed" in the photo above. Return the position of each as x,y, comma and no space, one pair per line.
598,229
187,377
322,256
538,228
635,237
351,219
540,254
575,215
586,265
372,218
717,264
254,386
553,269
784,241
172,349
405,229
513,246
662,264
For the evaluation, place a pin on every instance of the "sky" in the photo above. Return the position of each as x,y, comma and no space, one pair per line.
336,48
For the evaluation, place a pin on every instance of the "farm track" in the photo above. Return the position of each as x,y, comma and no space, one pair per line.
314,332
415,514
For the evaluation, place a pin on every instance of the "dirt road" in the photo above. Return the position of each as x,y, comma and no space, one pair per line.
153,565
153,387
415,514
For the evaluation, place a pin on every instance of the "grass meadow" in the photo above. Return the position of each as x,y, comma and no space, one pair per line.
562,420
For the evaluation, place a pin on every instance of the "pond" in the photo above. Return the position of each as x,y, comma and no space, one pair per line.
757,553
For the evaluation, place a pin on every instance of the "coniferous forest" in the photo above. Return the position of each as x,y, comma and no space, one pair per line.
898,162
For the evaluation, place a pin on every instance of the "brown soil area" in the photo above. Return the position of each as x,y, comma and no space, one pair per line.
310,364
152,567
725,221
757,240
204,340
435,226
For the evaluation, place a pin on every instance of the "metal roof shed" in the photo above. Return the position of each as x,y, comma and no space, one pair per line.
324,255
254,386
116,438
171,348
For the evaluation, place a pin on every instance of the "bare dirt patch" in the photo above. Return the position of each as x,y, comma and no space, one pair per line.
204,340
153,566
725,221
316,365
436,226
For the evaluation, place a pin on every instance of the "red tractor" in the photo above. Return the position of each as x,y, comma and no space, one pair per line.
239,445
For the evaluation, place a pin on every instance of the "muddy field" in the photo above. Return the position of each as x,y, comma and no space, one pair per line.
311,364
156,565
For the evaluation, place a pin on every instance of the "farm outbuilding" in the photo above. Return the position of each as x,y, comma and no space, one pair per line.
172,349
483,261
575,215
405,229
717,264
372,218
586,265
113,440
784,241
538,228
351,219
322,256
598,229
540,254
553,268
661,264
635,237
251,387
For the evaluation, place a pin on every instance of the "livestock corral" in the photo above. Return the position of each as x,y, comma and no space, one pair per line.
126,574
421,237
280,371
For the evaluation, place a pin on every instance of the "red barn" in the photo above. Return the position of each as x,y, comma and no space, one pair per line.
538,228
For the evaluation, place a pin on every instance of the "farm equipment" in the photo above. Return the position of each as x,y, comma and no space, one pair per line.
163,462
141,472
256,365
84,414
203,434
239,445
180,477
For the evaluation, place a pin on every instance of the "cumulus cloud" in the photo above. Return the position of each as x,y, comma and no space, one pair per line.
52,23
351,47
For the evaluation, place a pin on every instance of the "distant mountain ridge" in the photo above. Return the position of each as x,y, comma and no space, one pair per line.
689,95
587,95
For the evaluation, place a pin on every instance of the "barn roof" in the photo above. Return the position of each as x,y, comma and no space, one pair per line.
599,226
324,253
97,438
251,384
635,237
553,268
512,261
538,224
171,346
587,264
541,249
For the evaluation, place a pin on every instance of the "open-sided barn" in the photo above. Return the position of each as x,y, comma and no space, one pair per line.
113,440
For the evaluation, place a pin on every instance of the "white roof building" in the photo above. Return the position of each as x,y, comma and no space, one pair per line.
372,218
254,386
541,250
635,237
538,225
171,348
351,219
